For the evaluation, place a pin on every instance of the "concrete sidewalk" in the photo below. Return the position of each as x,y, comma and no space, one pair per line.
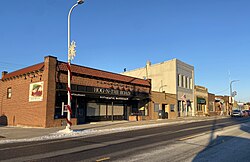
9,132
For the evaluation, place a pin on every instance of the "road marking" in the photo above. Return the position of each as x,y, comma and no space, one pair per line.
103,159
189,137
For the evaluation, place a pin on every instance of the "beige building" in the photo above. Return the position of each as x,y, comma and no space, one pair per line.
173,77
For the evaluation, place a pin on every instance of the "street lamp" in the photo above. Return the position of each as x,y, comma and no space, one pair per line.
71,54
231,93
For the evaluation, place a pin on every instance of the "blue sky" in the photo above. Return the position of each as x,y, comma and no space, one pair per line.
211,35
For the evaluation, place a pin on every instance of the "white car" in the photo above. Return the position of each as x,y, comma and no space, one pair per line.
237,113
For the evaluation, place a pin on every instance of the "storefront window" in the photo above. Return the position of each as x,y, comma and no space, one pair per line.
118,109
156,107
199,107
93,109
172,107
61,98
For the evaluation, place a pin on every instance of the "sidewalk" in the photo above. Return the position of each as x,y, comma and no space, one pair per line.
9,133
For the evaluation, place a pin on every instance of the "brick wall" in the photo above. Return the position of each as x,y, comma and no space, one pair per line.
18,109
163,98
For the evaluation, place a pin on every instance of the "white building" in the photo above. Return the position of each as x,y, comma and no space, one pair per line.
173,76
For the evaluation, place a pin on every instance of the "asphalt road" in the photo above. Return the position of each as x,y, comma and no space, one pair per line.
111,146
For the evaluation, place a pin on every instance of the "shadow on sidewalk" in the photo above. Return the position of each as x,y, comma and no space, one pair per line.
226,148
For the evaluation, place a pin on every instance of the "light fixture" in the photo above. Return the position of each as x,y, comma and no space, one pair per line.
80,1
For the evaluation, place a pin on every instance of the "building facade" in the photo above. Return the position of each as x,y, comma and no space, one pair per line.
173,77
223,105
211,105
163,106
37,95
201,101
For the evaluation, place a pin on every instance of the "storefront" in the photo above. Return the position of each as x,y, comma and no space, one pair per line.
98,104
37,95
201,101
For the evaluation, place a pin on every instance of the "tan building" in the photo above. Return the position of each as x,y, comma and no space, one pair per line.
201,101
173,77
163,106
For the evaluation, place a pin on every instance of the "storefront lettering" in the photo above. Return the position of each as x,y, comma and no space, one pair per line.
78,94
114,98
112,91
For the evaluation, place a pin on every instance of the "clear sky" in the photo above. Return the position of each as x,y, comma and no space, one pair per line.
211,35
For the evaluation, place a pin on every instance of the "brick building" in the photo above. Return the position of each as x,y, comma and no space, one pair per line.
34,96
163,106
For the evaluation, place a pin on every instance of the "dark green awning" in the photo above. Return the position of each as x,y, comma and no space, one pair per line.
201,100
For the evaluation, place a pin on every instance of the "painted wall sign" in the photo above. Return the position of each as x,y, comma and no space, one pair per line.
36,92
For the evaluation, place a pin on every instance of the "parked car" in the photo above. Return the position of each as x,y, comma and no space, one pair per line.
237,113
248,111
244,113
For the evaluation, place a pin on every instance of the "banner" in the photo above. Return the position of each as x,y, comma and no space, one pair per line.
36,92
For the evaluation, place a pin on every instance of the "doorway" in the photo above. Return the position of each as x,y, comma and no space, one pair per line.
81,110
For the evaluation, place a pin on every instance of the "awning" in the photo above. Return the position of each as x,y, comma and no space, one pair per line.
201,100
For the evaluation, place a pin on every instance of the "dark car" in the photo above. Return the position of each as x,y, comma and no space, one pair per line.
237,113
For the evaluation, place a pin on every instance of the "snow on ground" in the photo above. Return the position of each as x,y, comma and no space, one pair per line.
85,133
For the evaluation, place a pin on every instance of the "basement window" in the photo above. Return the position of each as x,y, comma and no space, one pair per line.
9,92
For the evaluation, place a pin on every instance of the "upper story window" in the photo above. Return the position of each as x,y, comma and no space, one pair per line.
183,81
9,92
188,83
179,80
191,83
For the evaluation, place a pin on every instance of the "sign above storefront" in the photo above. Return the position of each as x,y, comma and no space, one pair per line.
112,91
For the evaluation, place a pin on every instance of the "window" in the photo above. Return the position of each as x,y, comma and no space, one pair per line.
172,107
191,83
188,83
199,107
156,107
183,81
9,92
179,80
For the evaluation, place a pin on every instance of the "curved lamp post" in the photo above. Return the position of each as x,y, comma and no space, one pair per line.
71,54
231,93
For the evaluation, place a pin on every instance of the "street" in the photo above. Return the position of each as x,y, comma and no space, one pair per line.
195,141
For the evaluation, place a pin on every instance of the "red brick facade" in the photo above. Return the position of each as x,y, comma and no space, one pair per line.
18,109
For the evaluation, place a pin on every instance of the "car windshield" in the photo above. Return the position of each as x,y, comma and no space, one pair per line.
236,110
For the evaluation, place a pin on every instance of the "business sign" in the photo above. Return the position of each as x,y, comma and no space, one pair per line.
111,91
36,92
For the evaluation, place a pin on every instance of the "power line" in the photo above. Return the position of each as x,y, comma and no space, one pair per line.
222,91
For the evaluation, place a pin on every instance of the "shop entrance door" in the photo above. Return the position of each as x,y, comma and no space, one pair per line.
164,111
81,111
